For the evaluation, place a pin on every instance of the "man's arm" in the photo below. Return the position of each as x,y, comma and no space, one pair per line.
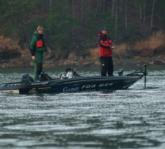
33,45
105,44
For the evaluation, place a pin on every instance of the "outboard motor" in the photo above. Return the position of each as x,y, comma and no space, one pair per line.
26,81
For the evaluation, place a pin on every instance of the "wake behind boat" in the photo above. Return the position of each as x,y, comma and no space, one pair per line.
72,85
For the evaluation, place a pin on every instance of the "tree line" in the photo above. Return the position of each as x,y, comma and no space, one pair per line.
74,24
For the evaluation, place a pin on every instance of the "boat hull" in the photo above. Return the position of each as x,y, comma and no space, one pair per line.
78,84
85,84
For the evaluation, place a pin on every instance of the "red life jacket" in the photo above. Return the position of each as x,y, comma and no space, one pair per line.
39,43
105,49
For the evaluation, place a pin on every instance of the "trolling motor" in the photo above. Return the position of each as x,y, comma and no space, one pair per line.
143,73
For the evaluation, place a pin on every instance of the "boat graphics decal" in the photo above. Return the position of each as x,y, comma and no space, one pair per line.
71,89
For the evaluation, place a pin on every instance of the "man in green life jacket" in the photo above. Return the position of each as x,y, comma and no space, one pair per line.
37,48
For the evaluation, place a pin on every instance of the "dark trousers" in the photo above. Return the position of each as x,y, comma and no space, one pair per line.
37,70
106,66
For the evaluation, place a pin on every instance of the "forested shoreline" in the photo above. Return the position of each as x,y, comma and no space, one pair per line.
71,26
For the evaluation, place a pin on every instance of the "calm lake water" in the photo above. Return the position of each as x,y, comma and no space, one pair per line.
126,119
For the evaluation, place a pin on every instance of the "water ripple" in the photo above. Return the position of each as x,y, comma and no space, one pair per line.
129,119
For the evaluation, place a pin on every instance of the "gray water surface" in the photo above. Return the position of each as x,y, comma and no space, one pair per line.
127,119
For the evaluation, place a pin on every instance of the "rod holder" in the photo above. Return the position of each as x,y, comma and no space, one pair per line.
145,76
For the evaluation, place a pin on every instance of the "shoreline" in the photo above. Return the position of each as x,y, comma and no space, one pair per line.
83,68
150,51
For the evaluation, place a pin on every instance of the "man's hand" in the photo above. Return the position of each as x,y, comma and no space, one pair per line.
33,57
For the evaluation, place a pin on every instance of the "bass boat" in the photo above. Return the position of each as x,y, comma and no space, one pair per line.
73,85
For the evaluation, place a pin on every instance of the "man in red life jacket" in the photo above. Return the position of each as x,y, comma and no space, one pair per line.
105,54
